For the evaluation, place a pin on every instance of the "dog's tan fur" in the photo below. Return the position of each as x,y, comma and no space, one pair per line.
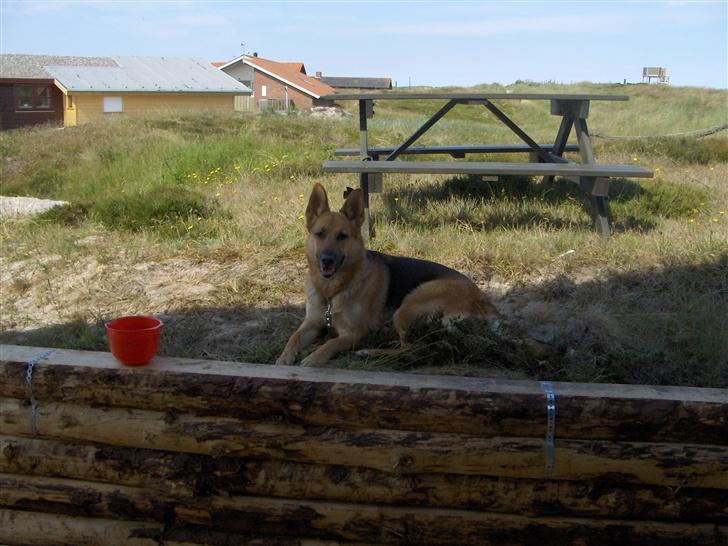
358,288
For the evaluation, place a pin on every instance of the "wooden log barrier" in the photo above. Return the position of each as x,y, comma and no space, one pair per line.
351,399
248,516
186,476
195,452
402,452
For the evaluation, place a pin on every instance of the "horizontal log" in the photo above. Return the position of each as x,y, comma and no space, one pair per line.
43,529
85,499
184,476
352,399
266,517
384,450
39,529
180,474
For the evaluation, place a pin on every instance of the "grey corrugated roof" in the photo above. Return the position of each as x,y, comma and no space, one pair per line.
357,83
148,74
19,65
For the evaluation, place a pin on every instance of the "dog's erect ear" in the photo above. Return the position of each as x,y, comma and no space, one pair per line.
353,207
318,203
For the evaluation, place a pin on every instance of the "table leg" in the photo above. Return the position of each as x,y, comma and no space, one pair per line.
597,188
600,211
365,111
562,137
367,230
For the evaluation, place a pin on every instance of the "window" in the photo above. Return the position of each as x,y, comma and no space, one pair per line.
263,90
112,104
43,98
33,97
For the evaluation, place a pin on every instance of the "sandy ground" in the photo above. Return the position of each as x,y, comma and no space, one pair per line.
18,206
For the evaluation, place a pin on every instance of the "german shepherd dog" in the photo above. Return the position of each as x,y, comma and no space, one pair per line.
349,289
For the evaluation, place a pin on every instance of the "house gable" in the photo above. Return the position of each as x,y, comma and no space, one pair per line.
288,73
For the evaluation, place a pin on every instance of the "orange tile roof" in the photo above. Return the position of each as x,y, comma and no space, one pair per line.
298,67
218,64
291,73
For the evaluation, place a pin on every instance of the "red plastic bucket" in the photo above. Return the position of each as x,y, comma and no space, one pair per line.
134,340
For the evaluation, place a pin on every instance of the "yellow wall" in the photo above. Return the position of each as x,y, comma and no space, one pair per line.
90,106
69,111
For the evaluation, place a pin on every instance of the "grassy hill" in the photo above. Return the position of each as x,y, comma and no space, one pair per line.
198,218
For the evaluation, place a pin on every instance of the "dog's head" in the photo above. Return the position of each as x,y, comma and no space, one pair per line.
334,238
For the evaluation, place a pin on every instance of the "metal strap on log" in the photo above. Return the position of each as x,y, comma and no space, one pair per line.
550,427
29,386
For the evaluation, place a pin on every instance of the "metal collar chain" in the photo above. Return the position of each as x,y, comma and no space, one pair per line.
29,388
327,315
550,427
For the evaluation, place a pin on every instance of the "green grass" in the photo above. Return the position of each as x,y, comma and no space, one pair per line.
198,218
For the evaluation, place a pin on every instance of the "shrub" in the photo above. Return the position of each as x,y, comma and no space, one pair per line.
149,208
65,215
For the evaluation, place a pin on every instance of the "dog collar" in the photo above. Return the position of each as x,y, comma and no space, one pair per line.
327,314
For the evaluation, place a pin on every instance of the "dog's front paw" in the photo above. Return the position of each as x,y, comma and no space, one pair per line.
286,359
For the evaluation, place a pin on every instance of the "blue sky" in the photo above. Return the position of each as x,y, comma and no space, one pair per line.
425,43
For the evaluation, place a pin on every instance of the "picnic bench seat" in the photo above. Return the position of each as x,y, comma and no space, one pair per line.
487,168
593,178
454,151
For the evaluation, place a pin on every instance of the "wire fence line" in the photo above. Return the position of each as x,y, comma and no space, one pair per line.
699,133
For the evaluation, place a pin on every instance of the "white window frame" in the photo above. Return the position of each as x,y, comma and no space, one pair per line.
263,90
113,105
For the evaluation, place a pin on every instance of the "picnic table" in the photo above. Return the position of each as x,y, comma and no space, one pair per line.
544,160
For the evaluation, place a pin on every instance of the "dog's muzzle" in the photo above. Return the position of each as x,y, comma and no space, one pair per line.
329,262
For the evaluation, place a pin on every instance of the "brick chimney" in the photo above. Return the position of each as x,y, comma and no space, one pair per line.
318,74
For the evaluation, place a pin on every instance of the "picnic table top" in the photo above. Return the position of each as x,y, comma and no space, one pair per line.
472,96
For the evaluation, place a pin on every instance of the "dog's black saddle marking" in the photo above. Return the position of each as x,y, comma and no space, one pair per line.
406,274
